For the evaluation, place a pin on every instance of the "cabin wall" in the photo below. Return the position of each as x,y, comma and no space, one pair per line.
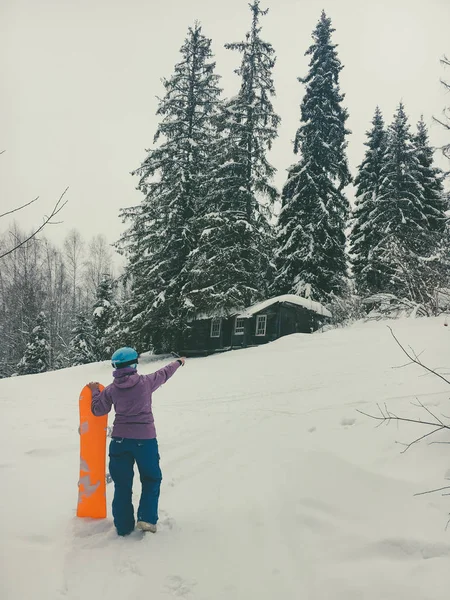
296,320
198,337
281,320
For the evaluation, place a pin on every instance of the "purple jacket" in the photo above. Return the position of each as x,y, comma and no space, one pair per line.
131,395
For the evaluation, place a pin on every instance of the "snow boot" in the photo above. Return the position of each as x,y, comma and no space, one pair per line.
143,526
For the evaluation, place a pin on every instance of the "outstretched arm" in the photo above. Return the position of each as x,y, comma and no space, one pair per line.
101,401
160,377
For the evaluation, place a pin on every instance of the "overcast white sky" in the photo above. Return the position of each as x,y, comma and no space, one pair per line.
80,79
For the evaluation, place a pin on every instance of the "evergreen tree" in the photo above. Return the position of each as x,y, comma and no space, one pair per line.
364,237
103,318
82,348
407,215
173,179
434,262
228,268
430,179
311,257
36,358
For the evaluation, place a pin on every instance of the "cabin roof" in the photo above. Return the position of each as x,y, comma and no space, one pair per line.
247,313
289,299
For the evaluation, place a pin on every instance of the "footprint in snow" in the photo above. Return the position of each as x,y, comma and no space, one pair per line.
312,429
347,422
165,521
179,587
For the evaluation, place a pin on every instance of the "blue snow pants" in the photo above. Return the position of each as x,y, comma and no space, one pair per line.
123,453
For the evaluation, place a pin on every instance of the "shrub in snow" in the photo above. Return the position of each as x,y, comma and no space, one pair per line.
103,316
36,358
82,344
389,306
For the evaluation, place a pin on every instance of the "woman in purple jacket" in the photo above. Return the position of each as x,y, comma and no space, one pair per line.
133,438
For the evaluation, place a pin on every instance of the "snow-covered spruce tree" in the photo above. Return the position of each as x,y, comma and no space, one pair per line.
406,215
431,180
104,316
82,349
36,358
228,268
311,257
172,178
364,236
433,264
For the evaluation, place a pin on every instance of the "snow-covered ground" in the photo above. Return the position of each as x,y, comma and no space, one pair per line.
275,487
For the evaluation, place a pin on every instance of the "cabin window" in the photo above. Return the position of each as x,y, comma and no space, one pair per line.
215,328
261,325
239,327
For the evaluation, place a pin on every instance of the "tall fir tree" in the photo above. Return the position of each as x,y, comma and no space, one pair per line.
434,264
228,268
407,215
311,241
173,179
82,349
364,236
431,180
104,316
36,358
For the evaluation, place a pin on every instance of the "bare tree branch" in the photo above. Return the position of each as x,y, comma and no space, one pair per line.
433,491
389,417
10,212
408,446
47,221
416,359
421,405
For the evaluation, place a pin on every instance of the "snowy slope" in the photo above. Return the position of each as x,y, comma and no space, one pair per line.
274,486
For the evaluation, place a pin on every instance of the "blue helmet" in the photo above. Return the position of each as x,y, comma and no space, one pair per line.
124,357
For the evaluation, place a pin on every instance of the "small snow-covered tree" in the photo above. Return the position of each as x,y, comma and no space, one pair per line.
364,236
228,267
82,347
36,358
103,317
311,241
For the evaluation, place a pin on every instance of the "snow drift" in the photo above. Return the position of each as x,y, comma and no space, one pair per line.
274,487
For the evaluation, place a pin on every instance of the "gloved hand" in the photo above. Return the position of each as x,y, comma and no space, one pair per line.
93,385
181,360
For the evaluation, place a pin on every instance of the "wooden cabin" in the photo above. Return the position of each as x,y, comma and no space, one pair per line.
259,324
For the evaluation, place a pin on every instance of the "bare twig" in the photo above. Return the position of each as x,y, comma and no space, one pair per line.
408,446
10,212
387,417
403,419
47,221
433,491
416,359
421,405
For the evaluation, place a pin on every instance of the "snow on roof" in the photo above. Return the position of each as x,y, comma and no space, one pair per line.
289,298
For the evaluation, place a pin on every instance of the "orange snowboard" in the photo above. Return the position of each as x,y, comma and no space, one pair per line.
92,482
